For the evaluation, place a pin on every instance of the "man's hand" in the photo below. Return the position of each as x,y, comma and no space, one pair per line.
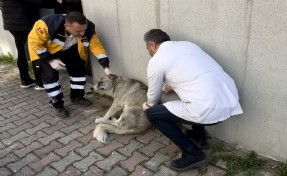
57,64
108,71
146,106
166,88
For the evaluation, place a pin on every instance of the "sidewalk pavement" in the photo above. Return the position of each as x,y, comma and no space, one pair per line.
33,142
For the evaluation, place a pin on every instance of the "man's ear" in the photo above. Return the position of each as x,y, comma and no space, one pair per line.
112,76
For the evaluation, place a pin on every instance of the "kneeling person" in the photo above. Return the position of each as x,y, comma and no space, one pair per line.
62,42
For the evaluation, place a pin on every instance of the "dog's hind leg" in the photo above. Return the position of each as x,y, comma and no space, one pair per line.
100,134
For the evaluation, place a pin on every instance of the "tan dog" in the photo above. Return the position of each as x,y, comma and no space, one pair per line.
125,115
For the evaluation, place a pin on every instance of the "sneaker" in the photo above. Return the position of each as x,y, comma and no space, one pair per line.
188,161
28,83
62,113
201,143
39,87
81,101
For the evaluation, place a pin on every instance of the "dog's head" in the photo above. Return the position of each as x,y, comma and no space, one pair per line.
105,83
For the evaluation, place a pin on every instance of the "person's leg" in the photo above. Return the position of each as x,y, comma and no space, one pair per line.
20,38
198,135
168,124
76,69
52,86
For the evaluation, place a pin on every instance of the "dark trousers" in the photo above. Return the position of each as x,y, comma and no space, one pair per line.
168,124
75,67
20,38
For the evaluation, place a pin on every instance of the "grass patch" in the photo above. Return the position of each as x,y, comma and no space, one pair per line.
249,165
282,169
8,59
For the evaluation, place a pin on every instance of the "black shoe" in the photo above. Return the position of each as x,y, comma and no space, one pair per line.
201,143
81,101
62,113
188,161
28,83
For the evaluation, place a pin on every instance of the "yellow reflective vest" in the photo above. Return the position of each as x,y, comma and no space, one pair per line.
48,37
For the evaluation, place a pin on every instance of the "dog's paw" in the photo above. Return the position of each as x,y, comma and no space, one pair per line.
99,120
100,135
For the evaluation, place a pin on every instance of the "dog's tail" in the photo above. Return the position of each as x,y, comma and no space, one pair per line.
100,134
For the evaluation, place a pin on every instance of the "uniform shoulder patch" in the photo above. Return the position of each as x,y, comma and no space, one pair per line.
40,30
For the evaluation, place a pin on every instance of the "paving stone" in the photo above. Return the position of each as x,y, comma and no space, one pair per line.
171,150
147,137
87,129
54,127
24,151
90,115
151,148
39,165
2,146
214,171
15,167
25,171
71,171
94,171
48,139
165,171
84,164
130,148
117,171
85,139
20,128
68,148
110,161
37,128
4,171
7,127
4,135
71,128
163,139
42,152
85,150
11,148
48,171
9,158
156,161
125,139
63,163
43,112
108,149
19,105
141,171
133,161
24,120
14,138
66,139
34,137
192,172
8,120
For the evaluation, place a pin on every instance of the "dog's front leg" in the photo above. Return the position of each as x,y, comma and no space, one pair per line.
114,109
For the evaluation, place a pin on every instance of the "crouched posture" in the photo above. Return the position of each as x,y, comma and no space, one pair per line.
207,94
125,115
62,42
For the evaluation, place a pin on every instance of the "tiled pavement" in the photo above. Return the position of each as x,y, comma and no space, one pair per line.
33,142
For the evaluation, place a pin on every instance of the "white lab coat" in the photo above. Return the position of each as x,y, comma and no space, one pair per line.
208,94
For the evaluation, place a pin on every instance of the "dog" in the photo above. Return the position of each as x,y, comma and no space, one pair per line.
126,115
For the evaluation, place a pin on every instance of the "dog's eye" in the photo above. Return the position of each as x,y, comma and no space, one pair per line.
100,83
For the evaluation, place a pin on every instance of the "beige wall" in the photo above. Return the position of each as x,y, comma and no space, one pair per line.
247,37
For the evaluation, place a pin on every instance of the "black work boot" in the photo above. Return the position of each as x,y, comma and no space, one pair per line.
62,113
81,101
201,142
188,161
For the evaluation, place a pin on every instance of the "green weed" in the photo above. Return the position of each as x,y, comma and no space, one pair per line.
282,169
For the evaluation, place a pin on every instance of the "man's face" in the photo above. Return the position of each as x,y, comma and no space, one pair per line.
76,29
151,47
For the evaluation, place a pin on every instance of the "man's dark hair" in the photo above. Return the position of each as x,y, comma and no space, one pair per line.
157,36
75,17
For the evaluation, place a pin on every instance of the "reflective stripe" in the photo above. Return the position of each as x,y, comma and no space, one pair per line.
101,56
59,42
41,51
86,44
78,79
49,86
54,93
73,86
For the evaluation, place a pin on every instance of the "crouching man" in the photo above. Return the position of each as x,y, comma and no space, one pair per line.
207,94
62,42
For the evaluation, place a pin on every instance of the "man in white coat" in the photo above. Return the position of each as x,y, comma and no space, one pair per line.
207,94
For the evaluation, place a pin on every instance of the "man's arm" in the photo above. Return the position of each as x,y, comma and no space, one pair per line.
37,39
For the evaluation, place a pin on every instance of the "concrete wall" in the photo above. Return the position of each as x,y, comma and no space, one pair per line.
247,37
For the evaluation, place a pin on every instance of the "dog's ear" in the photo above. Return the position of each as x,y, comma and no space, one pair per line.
112,76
